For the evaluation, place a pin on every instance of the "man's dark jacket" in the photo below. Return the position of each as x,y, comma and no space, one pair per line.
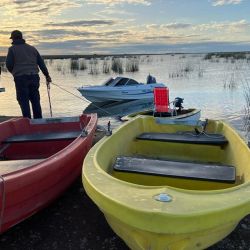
24,59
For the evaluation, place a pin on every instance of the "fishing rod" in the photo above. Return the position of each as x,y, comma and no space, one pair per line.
48,91
60,87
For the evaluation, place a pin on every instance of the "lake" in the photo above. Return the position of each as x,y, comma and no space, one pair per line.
216,86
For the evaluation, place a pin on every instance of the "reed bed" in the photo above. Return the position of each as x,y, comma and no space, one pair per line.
74,65
93,66
132,64
182,70
3,67
231,83
117,65
247,107
227,55
106,66
82,64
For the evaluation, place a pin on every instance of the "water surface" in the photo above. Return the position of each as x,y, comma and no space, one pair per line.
214,86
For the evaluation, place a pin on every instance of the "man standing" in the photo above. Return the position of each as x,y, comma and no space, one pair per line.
23,62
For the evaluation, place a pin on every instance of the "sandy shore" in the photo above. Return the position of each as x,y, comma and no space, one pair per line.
74,222
4,118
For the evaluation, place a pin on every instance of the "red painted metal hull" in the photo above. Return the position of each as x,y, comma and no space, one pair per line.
25,191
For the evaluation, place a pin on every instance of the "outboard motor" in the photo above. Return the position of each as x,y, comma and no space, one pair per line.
178,103
151,79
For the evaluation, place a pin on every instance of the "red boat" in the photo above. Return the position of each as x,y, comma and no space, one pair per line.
39,159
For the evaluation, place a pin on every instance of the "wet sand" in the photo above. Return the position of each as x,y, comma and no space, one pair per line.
74,222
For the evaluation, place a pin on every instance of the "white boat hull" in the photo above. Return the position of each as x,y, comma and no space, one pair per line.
106,93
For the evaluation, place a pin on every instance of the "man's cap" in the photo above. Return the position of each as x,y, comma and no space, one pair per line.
16,34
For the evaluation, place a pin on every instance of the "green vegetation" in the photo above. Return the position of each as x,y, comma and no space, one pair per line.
247,107
82,64
227,55
231,83
74,64
3,67
93,64
117,65
106,66
132,64
182,70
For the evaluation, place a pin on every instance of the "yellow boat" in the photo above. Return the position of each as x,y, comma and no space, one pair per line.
170,187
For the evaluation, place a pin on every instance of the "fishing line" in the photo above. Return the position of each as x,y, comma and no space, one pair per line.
60,87
81,98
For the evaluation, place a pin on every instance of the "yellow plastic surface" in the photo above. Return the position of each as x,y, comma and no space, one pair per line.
200,213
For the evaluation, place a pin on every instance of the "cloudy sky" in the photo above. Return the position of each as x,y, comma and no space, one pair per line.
127,26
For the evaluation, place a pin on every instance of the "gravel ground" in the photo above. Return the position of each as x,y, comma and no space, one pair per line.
73,222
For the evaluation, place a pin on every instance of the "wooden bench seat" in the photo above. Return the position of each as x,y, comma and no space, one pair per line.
10,166
185,137
189,170
50,136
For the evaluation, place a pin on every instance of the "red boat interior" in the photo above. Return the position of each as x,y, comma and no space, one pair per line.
25,142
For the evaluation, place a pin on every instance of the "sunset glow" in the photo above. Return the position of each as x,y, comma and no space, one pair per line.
127,26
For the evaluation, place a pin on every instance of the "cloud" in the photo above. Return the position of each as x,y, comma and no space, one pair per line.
116,2
50,25
24,8
82,23
176,25
226,27
53,34
169,26
66,34
170,38
225,2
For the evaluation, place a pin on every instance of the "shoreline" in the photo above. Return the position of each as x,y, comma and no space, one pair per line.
89,56
5,117
73,221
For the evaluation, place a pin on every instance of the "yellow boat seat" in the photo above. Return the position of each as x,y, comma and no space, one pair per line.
189,170
186,137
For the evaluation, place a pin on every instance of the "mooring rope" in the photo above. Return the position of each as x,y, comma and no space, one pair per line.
60,87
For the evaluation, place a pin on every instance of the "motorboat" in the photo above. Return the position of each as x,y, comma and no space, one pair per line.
119,89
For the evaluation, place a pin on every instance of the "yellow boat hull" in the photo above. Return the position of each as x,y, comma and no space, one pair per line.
139,239
199,213
189,115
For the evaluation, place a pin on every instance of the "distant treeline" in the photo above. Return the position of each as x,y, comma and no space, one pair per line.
208,56
228,55
93,56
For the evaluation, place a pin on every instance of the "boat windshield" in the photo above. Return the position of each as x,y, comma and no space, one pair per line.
120,81
108,82
132,82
